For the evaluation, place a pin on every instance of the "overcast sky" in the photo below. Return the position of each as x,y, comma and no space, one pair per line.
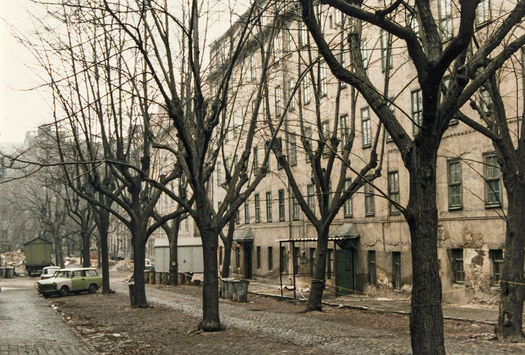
21,109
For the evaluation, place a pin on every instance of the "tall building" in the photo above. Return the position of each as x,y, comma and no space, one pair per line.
369,248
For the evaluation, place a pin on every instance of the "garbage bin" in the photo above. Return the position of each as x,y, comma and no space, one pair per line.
240,291
9,272
146,277
2,271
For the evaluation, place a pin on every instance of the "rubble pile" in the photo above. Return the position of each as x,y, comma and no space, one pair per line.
12,258
122,265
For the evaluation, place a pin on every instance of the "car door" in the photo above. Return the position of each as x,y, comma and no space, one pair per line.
78,281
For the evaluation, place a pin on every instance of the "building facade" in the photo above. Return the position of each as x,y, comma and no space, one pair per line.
275,239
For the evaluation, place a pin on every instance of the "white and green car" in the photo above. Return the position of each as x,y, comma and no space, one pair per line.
71,280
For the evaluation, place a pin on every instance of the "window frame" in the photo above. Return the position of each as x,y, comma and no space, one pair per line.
369,200
492,181
269,215
393,192
366,128
454,181
282,207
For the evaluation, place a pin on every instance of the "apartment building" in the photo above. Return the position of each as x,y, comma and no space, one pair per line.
369,246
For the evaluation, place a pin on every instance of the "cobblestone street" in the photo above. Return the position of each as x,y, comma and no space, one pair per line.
28,325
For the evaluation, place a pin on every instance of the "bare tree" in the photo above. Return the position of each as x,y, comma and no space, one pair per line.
431,59
502,122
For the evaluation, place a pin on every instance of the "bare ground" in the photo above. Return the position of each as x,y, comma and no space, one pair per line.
111,326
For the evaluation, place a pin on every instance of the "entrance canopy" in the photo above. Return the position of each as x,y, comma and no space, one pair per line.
244,236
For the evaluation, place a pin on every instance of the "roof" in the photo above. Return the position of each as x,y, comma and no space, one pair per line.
37,238
346,230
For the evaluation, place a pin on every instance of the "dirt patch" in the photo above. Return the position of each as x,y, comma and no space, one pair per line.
112,327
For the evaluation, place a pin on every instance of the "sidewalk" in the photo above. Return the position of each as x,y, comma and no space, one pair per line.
473,312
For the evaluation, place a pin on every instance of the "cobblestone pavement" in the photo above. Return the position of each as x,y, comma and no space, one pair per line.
28,325
481,314
325,337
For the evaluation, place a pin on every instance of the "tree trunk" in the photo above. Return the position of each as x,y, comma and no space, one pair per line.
426,317
59,253
86,257
103,227
510,319
139,257
315,300
210,289
174,262
227,258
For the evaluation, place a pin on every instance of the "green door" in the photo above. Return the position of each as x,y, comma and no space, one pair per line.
345,263
78,281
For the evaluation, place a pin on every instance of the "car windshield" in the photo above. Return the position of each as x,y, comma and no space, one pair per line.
49,271
62,274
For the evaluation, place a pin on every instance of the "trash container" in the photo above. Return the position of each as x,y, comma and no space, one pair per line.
146,277
152,277
9,272
2,271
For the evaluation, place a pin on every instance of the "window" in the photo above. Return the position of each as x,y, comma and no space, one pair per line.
270,258
344,130
235,126
255,159
290,94
417,110
412,22
445,19
310,197
396,270
252,68
457,265
293,149
268,206
366,128
244,125
312,260
296,252
268,154
246,213
295,209
257,202
258,257
278,100
364,53
281,206
238,257
372,279
392,108
303,33
286,41
496,255
485,102
278,144
369,200
308,138
325,131
393,191
322,79
282,258
330,263
219,174
386,50
483,13
276,45
454,185
491,173
306,89
348,203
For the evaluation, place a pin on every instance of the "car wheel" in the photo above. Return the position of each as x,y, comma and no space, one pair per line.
64,290
93,288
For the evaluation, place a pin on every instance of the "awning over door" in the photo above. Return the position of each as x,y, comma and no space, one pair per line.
346,230
244,236
347,235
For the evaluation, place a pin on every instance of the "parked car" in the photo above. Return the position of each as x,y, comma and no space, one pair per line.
49,271
73,280
148,264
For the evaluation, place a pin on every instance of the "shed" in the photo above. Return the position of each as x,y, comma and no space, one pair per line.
189,254
162,254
